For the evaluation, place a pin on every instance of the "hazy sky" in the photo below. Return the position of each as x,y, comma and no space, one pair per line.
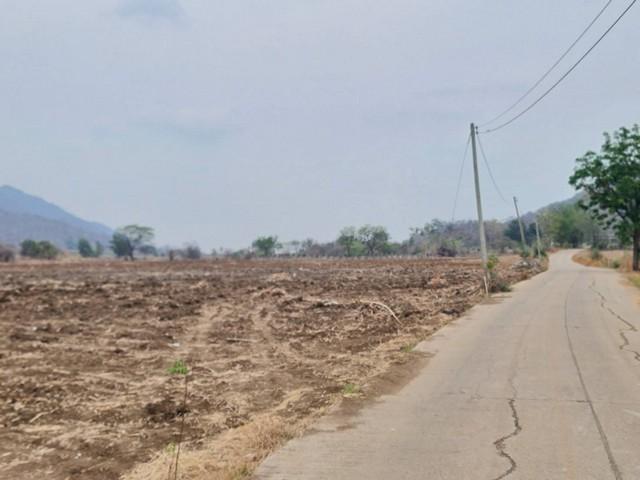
217,121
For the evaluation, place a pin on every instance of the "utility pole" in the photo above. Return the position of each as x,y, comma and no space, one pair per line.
522,237
483,238
538,239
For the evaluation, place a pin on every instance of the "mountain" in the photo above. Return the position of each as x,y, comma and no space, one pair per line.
24,216
530,217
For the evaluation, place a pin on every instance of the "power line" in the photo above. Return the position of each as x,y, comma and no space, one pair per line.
493,180
546,74
464,159
575,65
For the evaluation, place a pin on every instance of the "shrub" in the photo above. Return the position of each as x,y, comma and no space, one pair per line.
525,253
543,252
499,284
448,248
492,262
496,282
595,254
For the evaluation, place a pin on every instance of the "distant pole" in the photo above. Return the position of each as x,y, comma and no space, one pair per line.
538,239
522,237
483,238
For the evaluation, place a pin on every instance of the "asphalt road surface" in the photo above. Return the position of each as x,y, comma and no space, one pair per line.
541,384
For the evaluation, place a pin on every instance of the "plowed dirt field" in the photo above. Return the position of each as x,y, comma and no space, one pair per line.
271,344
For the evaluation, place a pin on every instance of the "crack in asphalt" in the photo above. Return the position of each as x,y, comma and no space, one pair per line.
500,444
630,326
603,436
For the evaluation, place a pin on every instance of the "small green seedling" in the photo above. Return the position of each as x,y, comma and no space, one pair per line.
179,367
408,348
350,389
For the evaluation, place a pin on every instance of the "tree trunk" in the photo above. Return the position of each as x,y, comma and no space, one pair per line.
636,250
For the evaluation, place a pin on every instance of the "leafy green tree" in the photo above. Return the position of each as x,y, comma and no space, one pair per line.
565,226
121,246
131,238
611,180
530,234
84,248
570,225
375,239
513,231
350,242
48,250
29,248
266,246
42,249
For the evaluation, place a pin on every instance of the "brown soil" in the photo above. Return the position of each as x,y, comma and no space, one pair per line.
85,393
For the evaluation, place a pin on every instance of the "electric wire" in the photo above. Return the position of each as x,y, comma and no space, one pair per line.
548,72
566,74
493,180
464,159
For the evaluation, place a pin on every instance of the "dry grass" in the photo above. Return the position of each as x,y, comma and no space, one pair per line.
619,259
226,457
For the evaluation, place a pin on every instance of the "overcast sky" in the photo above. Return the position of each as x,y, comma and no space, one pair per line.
217,121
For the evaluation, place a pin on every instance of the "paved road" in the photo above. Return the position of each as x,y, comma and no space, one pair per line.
544,384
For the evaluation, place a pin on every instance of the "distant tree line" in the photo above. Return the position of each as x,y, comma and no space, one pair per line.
606,216
436,238
563,225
